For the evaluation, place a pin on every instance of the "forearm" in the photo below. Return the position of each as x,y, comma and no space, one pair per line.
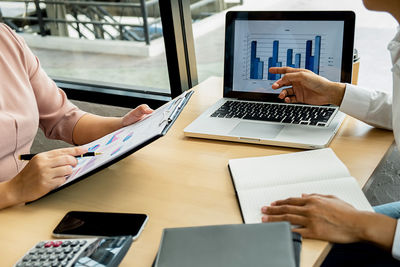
91,127
336,93
8,195
377,228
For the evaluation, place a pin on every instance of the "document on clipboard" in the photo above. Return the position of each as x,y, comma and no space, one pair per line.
123,142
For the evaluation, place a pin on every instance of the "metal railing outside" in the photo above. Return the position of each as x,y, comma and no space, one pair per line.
101,19
96,18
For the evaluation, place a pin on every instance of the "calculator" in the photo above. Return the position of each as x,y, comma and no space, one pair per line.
96,252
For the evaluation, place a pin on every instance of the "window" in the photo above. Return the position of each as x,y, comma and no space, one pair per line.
209,35
99,51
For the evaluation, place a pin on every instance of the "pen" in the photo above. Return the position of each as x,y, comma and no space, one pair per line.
30,156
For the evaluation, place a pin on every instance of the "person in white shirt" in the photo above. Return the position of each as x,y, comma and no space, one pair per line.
327,217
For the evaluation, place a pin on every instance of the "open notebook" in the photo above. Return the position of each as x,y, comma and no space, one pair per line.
262,180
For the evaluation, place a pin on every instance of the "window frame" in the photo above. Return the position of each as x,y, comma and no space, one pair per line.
181,64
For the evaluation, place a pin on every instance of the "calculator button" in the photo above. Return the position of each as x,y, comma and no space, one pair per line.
53,257
63,263
58,250
40,244
57,243
66,243
41,250
55,264
76,249
37,264
44,257
82,242
46,264
67,250
74,243
48,244
61,256
34,257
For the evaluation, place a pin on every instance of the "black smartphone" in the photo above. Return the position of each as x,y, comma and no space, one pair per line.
84,223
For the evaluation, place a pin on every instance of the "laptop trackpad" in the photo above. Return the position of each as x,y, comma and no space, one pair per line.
256,130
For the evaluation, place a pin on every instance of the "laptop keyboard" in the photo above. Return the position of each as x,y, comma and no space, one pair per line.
274,112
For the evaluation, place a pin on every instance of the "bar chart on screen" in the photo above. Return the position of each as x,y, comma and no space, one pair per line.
260,45
299,51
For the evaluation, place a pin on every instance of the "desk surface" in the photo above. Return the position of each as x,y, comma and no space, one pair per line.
177,181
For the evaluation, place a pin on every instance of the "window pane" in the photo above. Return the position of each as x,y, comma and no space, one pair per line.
94,41
209,34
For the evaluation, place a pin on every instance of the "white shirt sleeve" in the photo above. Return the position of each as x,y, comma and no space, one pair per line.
372,107
396,242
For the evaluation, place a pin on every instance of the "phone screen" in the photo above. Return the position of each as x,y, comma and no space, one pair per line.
82,223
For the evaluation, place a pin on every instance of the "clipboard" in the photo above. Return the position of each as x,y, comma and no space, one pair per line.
127,140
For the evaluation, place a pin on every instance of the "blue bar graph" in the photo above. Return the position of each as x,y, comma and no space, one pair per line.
308,55
297,60
311,60
256,66
317,54
273,61
289,59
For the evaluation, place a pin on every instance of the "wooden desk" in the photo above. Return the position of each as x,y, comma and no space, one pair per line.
177,181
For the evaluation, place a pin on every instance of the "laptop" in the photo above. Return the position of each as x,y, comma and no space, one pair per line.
250,110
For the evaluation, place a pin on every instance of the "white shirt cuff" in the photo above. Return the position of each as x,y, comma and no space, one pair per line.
355,101
396,242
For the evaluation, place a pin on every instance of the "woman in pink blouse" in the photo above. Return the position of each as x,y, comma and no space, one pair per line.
30,99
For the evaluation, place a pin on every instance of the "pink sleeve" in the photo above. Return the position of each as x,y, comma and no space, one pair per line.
57,115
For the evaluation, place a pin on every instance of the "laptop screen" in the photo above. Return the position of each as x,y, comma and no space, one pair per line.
305,40
259,45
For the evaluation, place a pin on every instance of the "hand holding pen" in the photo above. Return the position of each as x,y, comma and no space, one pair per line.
43,173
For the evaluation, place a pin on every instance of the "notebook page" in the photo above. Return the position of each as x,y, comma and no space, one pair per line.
345,188
283,169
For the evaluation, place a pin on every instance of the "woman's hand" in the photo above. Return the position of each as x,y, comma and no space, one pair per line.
136,115
307,87
44,172
331,219
91,127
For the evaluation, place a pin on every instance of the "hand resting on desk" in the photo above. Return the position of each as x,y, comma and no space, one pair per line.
328,218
